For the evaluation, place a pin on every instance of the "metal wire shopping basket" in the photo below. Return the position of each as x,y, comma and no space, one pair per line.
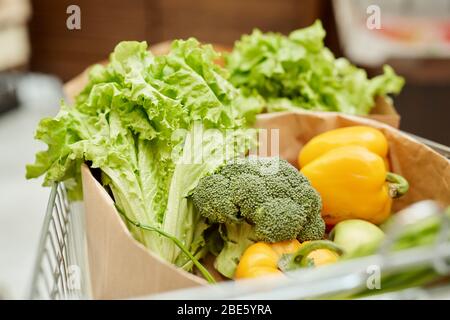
61,269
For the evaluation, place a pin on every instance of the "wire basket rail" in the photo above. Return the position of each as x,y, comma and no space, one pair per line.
61,265
61,269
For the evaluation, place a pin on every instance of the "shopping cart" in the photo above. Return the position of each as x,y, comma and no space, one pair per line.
61,269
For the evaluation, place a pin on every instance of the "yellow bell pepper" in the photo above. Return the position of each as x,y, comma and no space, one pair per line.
354,184
322,257
264,259
368,137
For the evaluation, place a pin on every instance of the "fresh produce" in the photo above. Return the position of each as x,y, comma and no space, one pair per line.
364,136
356,237
263,259
420,232
427,233
143,121
311,254
320,257
258,199
349,168
168,139
353,183
359,238
298,71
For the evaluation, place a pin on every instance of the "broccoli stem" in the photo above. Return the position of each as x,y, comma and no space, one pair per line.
398,185
237,238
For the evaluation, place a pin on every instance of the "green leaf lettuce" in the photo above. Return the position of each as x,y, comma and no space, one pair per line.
138,120
298,71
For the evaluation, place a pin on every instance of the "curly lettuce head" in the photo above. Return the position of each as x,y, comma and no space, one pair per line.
135,119
298,71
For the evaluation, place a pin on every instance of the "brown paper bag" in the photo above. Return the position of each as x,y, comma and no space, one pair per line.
120,267
384,112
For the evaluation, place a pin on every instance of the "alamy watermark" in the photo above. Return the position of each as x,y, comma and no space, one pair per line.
373,281
374,19
73,21
74,277
200,145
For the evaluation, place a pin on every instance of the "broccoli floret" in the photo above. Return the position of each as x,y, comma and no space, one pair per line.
214,194
268,196
243,194
315,229
279,219
309,197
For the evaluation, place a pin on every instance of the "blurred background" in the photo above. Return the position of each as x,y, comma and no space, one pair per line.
38,53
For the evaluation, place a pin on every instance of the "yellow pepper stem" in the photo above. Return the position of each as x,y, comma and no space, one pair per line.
299,259
398,185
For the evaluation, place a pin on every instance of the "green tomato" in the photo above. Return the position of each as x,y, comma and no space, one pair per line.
357,237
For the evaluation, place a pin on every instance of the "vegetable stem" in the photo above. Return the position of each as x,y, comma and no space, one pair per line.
398,185
188,264
299,259
177,242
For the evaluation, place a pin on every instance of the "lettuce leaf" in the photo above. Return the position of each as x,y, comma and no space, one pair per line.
138,120
298,71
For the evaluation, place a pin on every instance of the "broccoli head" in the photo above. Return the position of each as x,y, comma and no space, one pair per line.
267,195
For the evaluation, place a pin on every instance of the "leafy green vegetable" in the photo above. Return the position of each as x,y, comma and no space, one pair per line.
154,126
297,71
